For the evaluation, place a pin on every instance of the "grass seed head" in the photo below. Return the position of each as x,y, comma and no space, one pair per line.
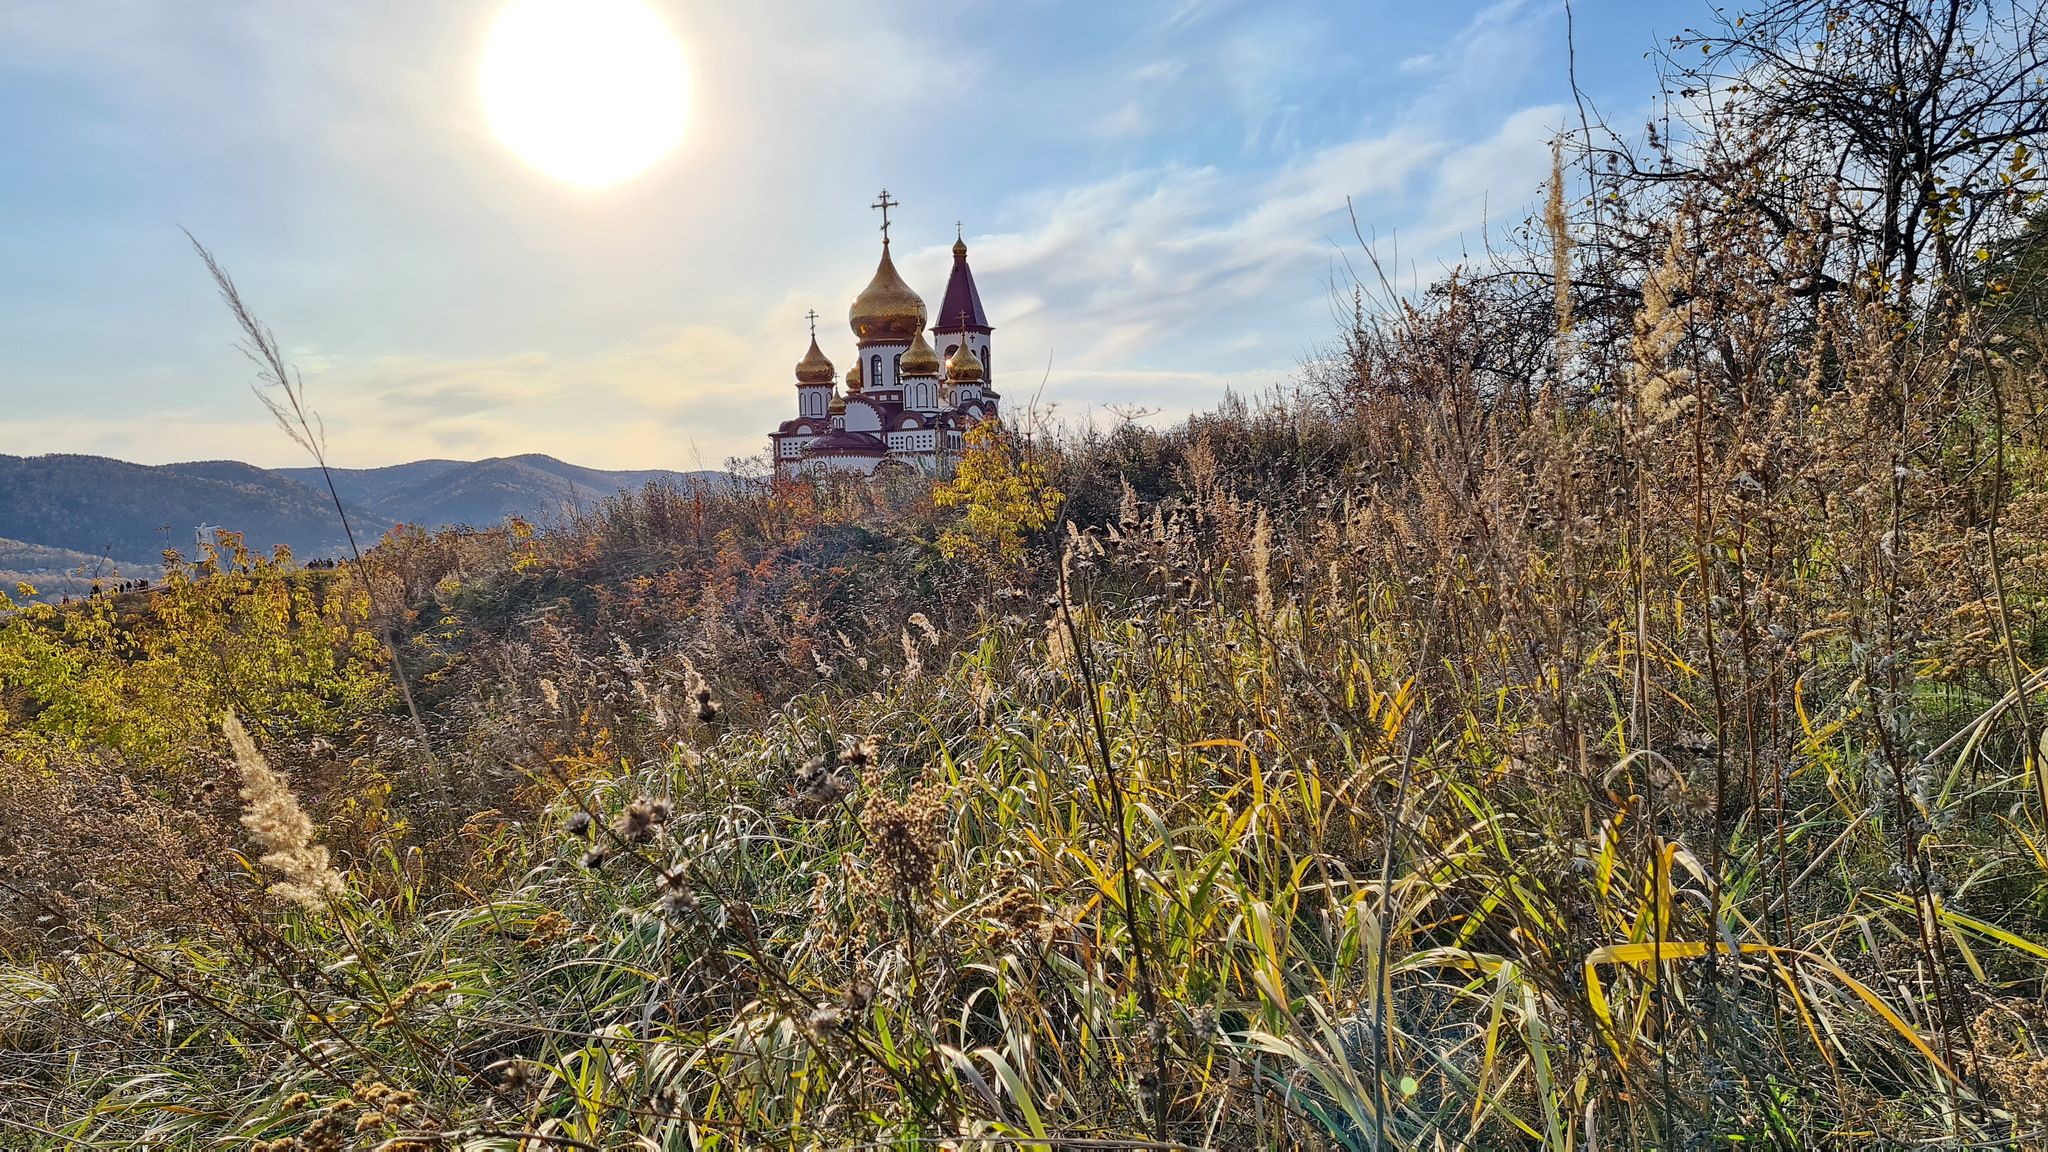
281,828
907,836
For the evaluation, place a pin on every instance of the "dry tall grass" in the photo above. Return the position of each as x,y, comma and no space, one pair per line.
1617,734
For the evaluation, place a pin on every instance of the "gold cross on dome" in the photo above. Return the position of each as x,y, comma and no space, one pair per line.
885,204
812,316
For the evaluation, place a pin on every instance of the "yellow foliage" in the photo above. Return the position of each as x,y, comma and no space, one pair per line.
1005,491
236,631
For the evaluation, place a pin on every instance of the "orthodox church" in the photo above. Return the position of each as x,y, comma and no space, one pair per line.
907,404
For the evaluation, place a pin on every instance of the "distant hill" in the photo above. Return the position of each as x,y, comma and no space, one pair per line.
437,492
99,506
58,572
94,506
19,559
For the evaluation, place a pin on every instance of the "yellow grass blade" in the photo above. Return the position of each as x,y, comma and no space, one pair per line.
1650,952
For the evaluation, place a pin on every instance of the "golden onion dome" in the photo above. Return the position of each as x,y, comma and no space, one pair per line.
887,311
960,248
814,368
837,407
853,378
921,360
965,367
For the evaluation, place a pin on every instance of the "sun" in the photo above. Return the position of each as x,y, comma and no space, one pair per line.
588,91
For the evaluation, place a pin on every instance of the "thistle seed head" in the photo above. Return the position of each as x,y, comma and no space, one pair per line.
827,1021
641,820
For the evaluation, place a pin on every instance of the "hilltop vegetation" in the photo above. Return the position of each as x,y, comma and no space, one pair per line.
1598,707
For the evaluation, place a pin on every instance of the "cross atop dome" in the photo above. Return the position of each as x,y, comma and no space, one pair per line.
885,204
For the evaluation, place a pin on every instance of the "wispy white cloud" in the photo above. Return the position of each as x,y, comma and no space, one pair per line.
1127,121
1189,13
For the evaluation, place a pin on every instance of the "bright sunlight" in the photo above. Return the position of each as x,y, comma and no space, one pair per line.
588,91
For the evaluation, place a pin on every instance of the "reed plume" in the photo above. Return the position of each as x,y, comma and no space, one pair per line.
282,829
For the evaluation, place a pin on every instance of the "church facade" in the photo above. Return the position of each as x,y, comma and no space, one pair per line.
908,400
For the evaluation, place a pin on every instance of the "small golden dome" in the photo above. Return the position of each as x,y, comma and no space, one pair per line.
960,248
965,367
814,368
921,360
887,311
853,377
837,407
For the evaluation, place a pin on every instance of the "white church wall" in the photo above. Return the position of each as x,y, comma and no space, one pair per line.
863,416
881,365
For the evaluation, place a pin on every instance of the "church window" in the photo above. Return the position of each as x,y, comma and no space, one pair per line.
950,349
987,366
896,371
877,362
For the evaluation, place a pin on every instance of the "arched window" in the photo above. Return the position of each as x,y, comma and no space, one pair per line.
950,349
876,372
896,372
988,371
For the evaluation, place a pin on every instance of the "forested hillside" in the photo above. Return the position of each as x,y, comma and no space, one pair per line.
1599,706
99,506
433,493
110,508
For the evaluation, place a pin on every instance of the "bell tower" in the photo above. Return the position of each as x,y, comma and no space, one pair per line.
961,320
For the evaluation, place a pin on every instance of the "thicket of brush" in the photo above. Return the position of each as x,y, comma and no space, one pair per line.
1597,709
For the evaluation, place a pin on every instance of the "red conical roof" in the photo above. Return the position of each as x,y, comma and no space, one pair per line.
962,298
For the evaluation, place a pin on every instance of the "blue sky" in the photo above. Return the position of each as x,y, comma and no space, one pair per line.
1154,191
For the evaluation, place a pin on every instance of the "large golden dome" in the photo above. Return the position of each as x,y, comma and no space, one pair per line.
887,312
921,360
814,368
965,367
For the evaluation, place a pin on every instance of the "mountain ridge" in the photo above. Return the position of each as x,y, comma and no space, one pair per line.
102,506
432,493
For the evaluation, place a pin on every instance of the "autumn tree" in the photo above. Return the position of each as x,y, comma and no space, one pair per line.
1003,485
